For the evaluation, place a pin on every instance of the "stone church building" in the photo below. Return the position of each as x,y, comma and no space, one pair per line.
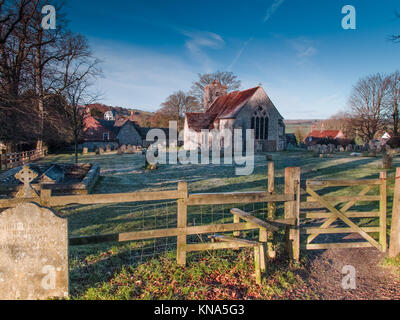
249,109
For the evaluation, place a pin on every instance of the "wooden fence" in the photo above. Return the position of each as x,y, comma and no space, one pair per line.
327,210
12,160
295,212
291,198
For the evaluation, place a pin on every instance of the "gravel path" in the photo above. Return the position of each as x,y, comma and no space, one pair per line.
324,276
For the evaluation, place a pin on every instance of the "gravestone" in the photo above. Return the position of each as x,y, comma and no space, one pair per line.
26,176
129,149
85,151
101,150
33,254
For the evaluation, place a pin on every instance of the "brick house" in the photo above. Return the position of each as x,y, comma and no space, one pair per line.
101,132
243,110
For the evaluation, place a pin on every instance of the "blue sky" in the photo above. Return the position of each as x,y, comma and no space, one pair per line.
297,49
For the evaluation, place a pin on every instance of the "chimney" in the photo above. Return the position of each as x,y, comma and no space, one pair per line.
212,92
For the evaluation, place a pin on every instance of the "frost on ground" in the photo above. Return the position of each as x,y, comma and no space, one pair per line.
100,271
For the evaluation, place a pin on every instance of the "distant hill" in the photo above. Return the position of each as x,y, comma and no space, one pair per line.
142,118
304,126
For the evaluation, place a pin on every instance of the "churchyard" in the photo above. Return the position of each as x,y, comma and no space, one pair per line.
147,269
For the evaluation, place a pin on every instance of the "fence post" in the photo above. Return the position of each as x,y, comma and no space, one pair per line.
292,211
383,212
45,195
271,207
394,249
182,224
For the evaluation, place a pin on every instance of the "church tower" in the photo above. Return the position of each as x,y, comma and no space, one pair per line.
212,92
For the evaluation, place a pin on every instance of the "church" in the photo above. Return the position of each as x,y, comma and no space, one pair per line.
242,110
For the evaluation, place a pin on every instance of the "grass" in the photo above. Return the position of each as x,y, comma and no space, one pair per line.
219,276
393,263
147,269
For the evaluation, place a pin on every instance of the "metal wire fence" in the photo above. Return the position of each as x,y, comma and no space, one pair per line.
135,217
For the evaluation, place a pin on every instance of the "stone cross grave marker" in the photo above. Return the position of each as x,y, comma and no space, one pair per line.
33,254
26,176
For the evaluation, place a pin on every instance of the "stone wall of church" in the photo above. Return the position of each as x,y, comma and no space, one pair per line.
275,135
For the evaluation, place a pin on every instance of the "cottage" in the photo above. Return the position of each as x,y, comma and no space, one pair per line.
243,110
99,133
315,136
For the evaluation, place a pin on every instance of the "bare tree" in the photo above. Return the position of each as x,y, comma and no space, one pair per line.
228,79
367,103
341,121
12,13
393,102
15,82
177,105
46,54
80,70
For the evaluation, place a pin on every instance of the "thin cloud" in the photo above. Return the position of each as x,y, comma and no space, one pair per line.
270,12
304,49
240,52
198,41
272,9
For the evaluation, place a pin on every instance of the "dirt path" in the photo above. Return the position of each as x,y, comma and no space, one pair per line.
323,275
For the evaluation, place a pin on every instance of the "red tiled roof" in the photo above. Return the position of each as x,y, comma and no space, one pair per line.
229,105
324,134
199,121
224,107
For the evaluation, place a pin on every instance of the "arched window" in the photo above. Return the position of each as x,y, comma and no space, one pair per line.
266,133
260,124
257,128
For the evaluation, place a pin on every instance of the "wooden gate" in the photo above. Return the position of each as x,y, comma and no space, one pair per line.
332,215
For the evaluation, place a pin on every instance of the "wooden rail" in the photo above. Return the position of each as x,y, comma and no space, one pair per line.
332,214
13,160
291,198
184,200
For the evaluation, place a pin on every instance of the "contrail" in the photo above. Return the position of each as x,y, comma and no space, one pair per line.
271,10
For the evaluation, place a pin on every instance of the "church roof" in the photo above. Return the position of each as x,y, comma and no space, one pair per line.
198,121
224,107
228,106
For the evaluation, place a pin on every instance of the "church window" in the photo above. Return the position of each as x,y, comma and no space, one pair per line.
257,128
266,133
260,123
262,129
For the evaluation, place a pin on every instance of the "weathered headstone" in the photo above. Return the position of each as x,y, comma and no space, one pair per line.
123,148
129,149
85,151
26,176
33,254
101,150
